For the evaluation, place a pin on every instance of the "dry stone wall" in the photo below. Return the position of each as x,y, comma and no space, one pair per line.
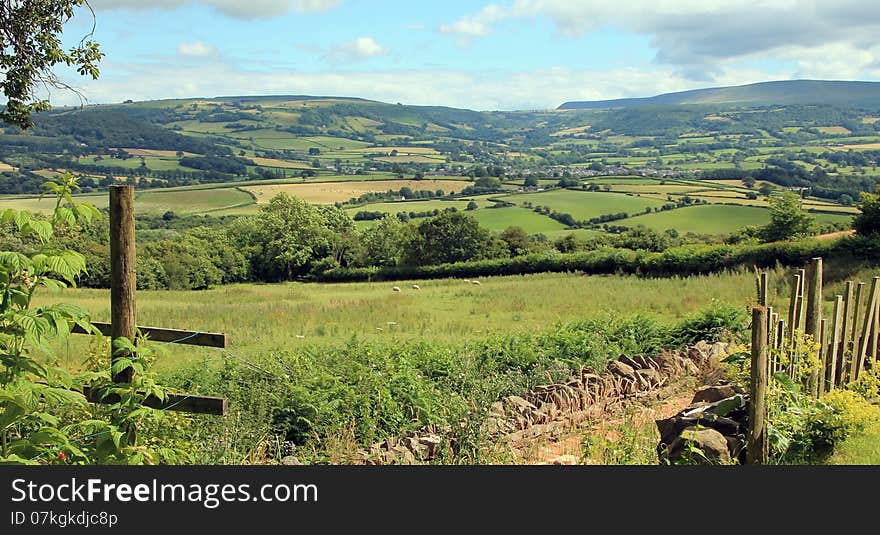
549,409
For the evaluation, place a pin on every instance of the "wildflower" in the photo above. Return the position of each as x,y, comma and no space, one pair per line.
61,456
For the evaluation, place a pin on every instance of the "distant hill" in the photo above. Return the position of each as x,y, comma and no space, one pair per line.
791,92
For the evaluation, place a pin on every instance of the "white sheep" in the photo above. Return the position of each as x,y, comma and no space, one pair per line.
476,282
416,287
396,288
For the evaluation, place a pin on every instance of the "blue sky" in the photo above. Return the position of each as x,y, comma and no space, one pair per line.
513,54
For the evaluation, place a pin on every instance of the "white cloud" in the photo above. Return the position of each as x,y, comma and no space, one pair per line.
696,35
250,9
483,90
196,49
356,50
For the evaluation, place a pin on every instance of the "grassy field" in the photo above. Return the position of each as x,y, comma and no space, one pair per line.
498,219
47,204
704,219
418,206
584,205
714,219
261,318
331,192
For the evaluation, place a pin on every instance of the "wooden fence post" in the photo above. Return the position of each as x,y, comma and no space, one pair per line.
833,350
846,327
864,343
758,446
763,289
793,314
853,342
123,308
813,322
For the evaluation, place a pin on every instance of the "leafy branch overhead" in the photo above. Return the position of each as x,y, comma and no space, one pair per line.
30,48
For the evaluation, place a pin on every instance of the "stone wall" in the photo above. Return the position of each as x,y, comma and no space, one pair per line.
550,409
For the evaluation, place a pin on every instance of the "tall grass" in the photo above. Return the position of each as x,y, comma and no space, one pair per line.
262,318
372,390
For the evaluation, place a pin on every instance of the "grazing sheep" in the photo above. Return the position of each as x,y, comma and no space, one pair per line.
416,287
476,282
396,288
300,336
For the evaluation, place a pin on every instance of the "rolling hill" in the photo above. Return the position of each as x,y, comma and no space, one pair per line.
790,92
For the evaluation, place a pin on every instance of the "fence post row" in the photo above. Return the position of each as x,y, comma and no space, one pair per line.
847,342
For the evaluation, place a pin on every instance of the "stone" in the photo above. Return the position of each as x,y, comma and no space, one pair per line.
619,368
652,376
519,404
700,352
717,353
290,460
688,367
432,443
711,444
711,394
629,362
565,460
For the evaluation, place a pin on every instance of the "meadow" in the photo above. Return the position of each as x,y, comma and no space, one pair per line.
583,205
332,192
261,318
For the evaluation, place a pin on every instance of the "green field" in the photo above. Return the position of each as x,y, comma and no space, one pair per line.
703,219
498,219
261,318
714,219
583,205
192,201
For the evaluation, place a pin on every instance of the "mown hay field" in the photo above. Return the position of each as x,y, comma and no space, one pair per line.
332,192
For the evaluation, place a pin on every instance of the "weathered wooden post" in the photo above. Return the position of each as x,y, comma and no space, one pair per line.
814,317
834,349
853,343
123,308
758,445
865,341
763,289
846,327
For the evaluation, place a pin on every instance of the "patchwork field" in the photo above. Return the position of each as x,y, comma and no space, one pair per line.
332,192
583,205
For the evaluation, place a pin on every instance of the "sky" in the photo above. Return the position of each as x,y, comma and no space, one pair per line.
509,55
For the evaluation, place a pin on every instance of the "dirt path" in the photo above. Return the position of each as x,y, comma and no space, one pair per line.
562,450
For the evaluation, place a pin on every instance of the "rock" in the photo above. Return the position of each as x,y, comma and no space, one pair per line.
651,375
711,444
712,394
644,363
688,367
619,368
700,352
668,362
519,404
566,460
737,448
629,362
290,460
432,443
717,353
497,409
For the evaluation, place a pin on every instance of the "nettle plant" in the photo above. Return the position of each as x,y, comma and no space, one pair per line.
44,416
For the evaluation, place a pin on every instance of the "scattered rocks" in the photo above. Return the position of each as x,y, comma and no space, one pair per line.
727,416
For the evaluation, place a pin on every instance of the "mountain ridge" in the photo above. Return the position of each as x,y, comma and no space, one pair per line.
783,92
